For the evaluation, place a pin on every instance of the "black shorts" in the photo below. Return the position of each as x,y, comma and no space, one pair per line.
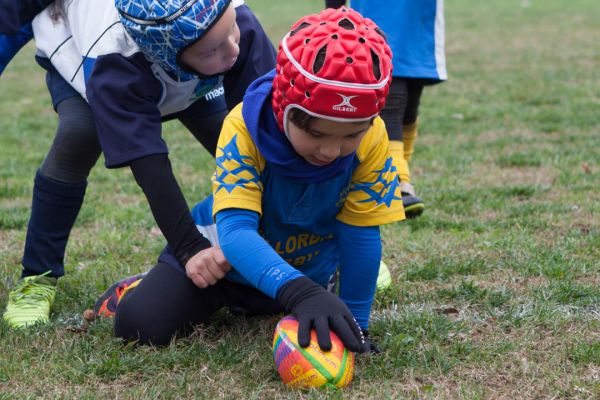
58,87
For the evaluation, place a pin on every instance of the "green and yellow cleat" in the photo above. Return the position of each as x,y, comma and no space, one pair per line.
384,279
30,301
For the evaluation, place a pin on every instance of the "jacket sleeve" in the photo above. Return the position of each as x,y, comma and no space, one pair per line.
10,44
256,58
123,94
16,13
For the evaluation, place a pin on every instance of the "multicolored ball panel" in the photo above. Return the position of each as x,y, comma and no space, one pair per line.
310,367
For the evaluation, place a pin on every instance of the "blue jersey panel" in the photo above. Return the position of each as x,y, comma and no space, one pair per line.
415,33
202,212
88,65
11,44
298,222
299,219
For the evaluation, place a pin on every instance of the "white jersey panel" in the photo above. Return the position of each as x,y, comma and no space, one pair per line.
92,29
54,41
440,40
179,95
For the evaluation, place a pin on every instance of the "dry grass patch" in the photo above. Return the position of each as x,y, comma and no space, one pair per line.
15,202
10,241
489,175
589,279
577,218
519,134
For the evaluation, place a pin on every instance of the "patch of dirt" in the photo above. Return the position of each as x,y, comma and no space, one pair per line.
18,202
491,137
591,279
490,175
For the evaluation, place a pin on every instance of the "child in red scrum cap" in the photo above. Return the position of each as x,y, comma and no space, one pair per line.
304,179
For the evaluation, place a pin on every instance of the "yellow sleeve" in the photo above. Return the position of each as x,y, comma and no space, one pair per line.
236,181
374,197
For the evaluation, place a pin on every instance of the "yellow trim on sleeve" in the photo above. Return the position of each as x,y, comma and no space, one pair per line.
244,188
374,205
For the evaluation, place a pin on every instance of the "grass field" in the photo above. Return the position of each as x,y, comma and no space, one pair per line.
496,289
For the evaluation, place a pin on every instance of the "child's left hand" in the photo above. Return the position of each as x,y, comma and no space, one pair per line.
315,307
207,267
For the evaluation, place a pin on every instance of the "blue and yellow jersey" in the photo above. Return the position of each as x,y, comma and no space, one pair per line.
297,219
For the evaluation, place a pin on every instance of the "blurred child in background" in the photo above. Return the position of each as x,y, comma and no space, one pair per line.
415,32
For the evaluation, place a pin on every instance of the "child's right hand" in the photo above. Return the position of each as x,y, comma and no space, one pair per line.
207,267
315,307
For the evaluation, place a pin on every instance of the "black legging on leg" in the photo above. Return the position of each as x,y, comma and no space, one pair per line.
167,303
76,148
402,105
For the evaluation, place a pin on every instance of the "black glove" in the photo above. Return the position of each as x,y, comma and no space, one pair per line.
369,347
315,307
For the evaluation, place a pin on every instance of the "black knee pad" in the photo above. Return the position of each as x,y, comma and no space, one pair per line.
76,148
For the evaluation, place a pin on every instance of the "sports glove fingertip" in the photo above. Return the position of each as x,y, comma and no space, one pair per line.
304,326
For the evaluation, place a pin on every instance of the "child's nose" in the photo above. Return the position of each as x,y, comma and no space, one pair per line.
330,151
233,49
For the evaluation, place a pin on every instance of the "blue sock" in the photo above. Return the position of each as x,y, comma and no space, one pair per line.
54,209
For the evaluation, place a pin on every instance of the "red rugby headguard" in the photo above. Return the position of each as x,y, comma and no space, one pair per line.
336,65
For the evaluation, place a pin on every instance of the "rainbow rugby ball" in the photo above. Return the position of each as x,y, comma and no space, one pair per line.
310,367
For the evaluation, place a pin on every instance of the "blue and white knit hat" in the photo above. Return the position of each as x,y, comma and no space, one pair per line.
164,28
